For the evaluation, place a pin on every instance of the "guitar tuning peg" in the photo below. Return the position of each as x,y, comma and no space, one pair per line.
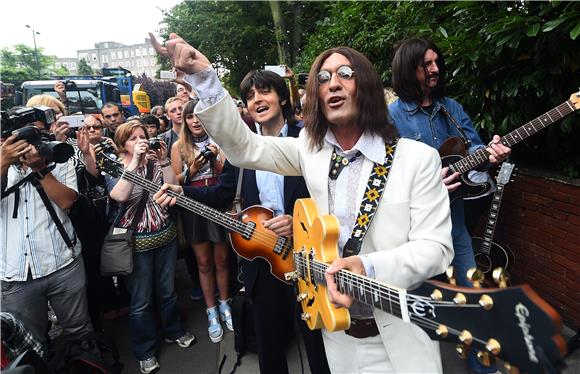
475,276
301,296
305,316
501,277
465,337
292,275
450,272
511,369
493,346
485,359
461,351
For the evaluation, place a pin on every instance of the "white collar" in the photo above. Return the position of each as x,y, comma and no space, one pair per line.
372,147
283,131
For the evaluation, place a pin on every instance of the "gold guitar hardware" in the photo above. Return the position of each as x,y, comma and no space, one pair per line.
493,346
301,296
436,295
486,302
442,331
450,272
461,351
475,276
459,299
465,337
485,359
501,277
305,316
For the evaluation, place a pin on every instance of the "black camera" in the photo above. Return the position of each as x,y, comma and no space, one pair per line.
106,147
21,122
154,144
207,153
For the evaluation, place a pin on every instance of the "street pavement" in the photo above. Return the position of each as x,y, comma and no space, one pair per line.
207,357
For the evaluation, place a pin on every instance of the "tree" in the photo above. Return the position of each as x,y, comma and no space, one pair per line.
84,68
240,36
19,64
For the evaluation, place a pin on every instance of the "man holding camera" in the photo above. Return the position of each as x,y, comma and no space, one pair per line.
40,260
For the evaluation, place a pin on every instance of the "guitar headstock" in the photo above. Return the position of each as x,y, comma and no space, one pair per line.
575,99
107,162
513,324
505,173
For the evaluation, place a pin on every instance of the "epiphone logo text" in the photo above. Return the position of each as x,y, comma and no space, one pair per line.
522,313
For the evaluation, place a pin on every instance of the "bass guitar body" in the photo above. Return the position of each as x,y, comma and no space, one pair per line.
259,242
498,256
451,152
318,236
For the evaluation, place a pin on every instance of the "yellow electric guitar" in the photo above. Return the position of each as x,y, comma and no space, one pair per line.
514,324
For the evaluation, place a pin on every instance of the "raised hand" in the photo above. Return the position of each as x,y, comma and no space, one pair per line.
182,55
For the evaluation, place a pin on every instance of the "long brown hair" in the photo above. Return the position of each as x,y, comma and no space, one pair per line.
189,150
372,109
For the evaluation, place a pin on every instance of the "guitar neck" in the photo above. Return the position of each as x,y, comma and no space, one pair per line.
368,291
492,219
482,155
205,211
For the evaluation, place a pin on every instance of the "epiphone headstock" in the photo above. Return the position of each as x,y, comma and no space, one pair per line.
510,323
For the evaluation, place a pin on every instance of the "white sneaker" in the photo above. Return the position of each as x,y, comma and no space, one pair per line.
149,365
226,314
185,341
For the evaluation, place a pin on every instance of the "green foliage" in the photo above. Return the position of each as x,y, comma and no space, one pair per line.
85,68
239,36
507,62
19,65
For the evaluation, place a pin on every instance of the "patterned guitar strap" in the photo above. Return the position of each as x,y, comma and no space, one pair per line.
370,202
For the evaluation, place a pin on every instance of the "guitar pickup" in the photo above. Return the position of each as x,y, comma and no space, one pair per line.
249,230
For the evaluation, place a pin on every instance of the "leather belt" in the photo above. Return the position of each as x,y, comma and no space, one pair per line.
204,182
362,328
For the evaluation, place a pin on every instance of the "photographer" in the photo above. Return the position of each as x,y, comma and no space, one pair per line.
40,259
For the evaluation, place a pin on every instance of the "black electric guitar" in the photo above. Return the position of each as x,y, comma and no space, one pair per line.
454,154
513,323
489,254
248,236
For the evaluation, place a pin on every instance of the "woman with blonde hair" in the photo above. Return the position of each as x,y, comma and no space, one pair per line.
49,101
198,162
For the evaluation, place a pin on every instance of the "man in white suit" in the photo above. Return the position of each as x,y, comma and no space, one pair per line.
409,239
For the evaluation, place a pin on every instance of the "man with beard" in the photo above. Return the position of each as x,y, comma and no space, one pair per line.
113,117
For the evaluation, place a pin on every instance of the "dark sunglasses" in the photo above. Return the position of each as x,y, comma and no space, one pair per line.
94,127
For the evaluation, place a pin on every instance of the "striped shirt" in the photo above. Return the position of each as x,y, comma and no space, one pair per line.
31,241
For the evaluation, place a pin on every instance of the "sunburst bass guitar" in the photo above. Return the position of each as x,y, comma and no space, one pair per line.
513,323
248,236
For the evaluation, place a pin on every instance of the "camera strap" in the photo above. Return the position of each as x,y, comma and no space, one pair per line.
36,183
16,190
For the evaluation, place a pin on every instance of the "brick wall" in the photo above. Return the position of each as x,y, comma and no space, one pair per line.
540,221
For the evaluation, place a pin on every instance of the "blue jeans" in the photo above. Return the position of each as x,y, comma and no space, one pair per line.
464,257
153,268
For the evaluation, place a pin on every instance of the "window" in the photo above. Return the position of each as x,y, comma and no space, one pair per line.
113,56
132,53
144,51
151,52
57,65
73,65
138,52
120,55
94,55
126,54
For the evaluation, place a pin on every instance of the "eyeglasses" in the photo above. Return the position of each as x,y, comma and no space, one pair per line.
344,72
93,127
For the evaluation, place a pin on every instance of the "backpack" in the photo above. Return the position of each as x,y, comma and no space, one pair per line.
92,353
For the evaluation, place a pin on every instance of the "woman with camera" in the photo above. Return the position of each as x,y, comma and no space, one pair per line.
155,245
198,162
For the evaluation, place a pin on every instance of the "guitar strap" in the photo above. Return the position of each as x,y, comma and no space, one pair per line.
369,204
462,134
237,203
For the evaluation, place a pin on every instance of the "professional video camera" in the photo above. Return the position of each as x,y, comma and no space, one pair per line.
21,121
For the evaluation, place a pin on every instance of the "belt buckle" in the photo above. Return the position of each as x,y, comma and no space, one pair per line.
205,181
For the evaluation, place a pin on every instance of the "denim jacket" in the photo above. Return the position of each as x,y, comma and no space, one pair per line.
433,129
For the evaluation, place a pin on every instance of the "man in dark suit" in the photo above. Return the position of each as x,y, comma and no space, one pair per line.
273,302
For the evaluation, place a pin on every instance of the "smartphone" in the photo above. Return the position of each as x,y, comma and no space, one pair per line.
169,75
78,120
278,69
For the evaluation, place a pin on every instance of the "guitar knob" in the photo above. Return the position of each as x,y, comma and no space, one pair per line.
459,299
486,302
484,358
475,276
436,295
442,331
511,369
501,277
301,296
493,346
465,337
461,351
305,316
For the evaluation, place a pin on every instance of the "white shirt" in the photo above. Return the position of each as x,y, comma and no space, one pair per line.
31,241
271,185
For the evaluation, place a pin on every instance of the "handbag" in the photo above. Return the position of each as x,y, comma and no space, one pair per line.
119,243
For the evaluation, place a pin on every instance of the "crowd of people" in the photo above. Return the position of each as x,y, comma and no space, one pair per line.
272,146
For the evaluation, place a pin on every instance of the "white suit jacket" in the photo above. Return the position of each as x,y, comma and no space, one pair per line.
409,239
